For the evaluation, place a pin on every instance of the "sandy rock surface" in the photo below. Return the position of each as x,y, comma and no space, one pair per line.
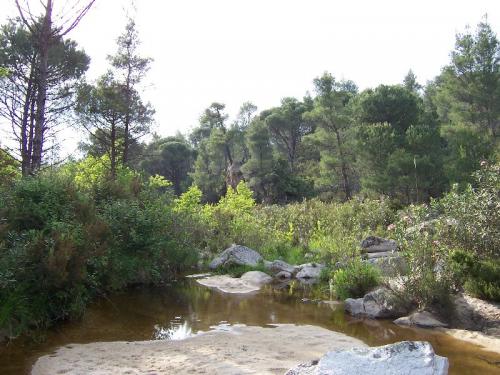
228,284
238,350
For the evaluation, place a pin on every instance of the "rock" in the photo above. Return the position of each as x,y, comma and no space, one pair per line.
278,266
373,244
256,278
228,284
382,254
378,304
405,357
236,255
309,271
390,266
422,319
283,275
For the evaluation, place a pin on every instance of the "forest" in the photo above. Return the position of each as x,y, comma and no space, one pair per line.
309,178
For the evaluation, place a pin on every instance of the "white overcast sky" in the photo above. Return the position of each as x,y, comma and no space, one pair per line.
233,51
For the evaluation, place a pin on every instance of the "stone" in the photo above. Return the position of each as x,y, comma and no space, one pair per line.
309,271
283,275
236,255
278,266
256,278
390,266
378,304
382,254
423,319
405,357
228,284
373,244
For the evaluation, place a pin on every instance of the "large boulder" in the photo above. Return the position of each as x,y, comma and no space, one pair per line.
373,244
309,271
257,278
378,304
278,266
405,357
236,255
422,319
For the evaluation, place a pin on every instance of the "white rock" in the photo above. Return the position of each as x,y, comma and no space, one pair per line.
422,319
406,357
257,278
228,284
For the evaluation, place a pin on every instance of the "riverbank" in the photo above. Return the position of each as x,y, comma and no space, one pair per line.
237,350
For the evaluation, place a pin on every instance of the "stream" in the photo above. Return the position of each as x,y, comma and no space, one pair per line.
183,308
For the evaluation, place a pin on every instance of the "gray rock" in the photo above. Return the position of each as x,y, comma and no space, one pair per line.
405,357
378,304
309,271
390,266
283,275
279,266
373,244
236,255
257,278
382,254
422,319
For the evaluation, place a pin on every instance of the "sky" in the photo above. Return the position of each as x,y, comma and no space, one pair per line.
232,51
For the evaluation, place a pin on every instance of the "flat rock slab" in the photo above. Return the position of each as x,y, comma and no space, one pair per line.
421,319
406,357
228,284
239,350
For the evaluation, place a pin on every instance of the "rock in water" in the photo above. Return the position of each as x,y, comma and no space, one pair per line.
373,244
309,271
422,319
378,304
236,255
405,357
256,278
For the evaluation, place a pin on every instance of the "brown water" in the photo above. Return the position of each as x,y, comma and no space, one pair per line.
183,308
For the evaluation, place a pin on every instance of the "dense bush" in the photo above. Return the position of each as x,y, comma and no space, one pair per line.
355,279
480,278
476,213
61,243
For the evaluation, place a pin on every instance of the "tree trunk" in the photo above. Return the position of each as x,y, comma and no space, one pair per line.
43,45
343,167
113,151
25,146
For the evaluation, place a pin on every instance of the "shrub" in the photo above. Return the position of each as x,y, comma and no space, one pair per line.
476,212
355,280
480,278
429,282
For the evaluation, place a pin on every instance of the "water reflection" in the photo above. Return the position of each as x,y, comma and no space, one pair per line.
177,330
186,309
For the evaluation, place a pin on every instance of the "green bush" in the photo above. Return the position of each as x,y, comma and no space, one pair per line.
476,212
355,280
480,278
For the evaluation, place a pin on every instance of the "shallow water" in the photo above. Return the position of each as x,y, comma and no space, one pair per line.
184,308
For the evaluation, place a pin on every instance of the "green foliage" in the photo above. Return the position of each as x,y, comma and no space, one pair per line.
355,280
9,168
61,244
476,211
480,278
